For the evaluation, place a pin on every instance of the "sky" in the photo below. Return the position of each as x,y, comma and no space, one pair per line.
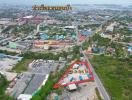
59,2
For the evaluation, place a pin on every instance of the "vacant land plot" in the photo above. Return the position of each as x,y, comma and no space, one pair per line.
116,76
85,91
23,65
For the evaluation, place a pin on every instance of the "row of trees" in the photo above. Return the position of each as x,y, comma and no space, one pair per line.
46,56
8,52
92,26
85,45
3,85
100,40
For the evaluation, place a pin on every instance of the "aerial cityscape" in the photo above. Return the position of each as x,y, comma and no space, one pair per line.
81,53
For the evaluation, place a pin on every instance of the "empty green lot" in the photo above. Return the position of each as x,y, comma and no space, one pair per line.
22,65
116,76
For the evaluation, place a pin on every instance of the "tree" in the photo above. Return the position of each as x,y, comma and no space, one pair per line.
85,45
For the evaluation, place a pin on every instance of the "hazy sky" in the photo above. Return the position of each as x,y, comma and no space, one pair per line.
122,2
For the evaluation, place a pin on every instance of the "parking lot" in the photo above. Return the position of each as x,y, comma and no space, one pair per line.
40,69
30,81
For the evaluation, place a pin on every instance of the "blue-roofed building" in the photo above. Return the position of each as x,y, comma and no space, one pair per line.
73,33
2,55
80,77
56,98
74,37
130,50
130,30
85,33
44,36
59,37
95,50
101,50
15,57
130,47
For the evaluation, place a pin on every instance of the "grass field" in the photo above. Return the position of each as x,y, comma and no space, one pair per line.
116,76
22,65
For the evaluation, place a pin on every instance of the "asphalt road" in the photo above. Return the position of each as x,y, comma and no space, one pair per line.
97,80
100,86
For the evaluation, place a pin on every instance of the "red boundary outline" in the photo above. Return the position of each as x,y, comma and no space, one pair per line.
57,85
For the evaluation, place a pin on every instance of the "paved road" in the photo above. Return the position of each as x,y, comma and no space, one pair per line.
97,80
